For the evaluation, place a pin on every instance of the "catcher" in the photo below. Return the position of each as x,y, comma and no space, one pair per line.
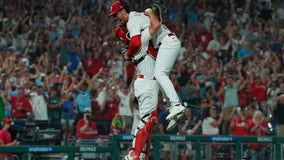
146,90
169,46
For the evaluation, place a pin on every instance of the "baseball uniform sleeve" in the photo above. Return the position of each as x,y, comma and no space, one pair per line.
134,46
145,36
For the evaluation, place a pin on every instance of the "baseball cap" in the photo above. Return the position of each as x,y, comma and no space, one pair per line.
11,48
87,110
115,8
125,86
6,120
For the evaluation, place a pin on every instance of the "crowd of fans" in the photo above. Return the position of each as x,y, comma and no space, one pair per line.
60,57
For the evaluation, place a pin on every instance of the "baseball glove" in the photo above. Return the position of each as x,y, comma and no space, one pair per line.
161,11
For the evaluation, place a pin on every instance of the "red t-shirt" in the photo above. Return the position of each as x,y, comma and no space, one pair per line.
96,112
111,109
91,127
259,91
249,95
5,138
257,132
240,128
20,102
203,39
242,99
93,66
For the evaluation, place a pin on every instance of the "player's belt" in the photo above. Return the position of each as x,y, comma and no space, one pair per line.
169,35
142,76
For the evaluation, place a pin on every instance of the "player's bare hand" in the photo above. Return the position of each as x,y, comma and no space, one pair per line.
148,11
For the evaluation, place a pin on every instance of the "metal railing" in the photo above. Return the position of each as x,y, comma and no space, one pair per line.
115,140
198,140
24,151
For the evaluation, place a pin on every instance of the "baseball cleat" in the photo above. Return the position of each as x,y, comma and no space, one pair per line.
174,122
175,111
143,156
130,156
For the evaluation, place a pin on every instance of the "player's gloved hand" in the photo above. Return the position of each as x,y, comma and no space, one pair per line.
161,11
123,52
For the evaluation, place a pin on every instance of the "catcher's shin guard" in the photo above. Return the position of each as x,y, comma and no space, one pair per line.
143,134
147,147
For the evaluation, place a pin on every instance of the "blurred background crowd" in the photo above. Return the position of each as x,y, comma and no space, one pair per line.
59,60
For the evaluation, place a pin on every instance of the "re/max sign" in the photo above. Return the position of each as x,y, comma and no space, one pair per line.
177,138
88,149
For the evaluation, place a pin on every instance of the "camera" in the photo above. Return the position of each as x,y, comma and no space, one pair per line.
88,117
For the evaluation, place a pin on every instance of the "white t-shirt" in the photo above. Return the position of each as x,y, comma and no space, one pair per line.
39,106
101,96
207,128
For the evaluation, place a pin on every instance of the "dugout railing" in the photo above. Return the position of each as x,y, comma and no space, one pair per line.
113,148
24,151
199,140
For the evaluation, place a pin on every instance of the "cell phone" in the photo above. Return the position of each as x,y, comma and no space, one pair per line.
239,109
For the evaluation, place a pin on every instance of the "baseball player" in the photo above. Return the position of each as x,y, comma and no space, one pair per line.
146,91
168,50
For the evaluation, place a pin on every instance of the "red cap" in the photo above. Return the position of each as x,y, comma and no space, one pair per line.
115,8
6,120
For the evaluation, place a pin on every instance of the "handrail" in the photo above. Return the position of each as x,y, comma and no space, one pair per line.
70,150
238,140
113,148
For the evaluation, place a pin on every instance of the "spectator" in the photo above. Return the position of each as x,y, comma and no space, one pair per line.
188,126
163,123
83,95
278,110
110,107
238,124
258,127
230,91
2,108
67,113
238,127
259,87
125,109
6,138
39,103
21,107
118,125
97,112
86,128
93,62
54,108
210,126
